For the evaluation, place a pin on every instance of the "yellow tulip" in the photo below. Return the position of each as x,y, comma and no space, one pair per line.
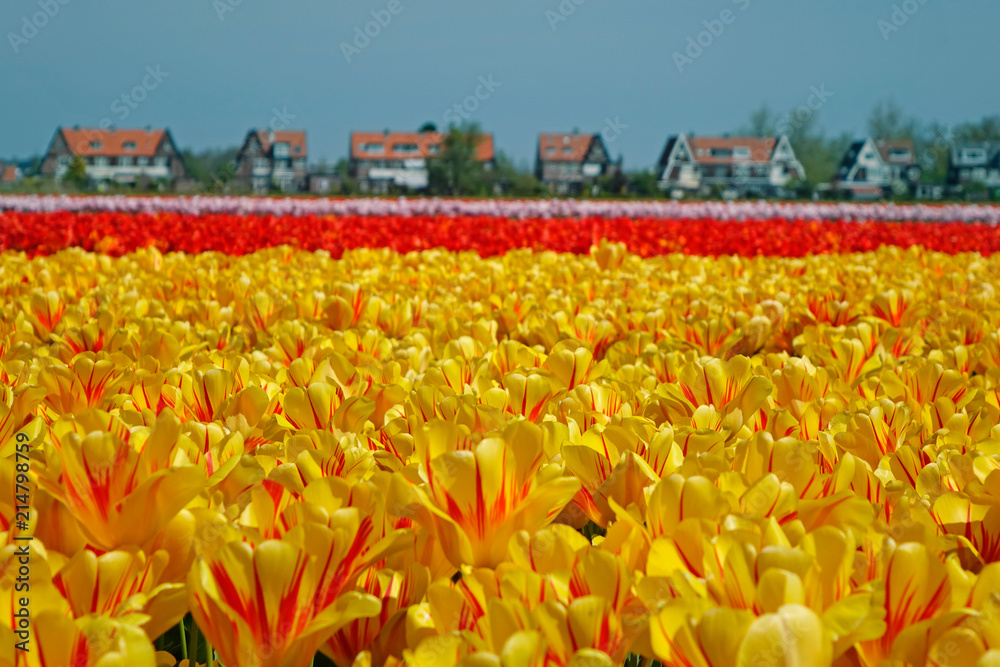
475,501
119,495
273,604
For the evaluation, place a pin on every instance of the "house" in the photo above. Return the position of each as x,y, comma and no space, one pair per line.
383,160
872,169
116,155
273,159
10,174
568,163
974,162
748,165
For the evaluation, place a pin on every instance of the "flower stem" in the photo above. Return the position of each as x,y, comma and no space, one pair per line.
184,646
193,648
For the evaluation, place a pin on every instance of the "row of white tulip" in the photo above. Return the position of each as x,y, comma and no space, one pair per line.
509,208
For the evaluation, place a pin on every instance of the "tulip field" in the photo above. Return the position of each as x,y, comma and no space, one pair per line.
261,433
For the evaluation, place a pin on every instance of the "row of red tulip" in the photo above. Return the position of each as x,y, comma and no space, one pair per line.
119,233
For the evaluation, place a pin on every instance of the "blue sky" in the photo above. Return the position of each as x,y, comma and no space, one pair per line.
227,65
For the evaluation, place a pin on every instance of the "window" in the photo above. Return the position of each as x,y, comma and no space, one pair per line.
300,163
100,161
721,152
899,154
261,163
160,161
973,155
298,150
281,150
567,150
371,148
551,150
95,144
129,145
741,153
435,149
979,174
405,148
143,161
64,160
125,162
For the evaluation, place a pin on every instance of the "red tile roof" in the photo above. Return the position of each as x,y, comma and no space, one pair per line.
421,141
296,140
563,147
761,149
95,141
9,174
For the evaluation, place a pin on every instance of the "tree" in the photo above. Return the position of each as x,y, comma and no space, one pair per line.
988,129
34,168
458,171
428,127
348,186
888,122
644,184
762,123
76,173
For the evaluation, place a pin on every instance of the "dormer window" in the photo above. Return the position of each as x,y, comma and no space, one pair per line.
129,145
281,150
371,148
298,149
567,150
741,153
551,150
974,155
405,149
435,149
95,144
899,154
